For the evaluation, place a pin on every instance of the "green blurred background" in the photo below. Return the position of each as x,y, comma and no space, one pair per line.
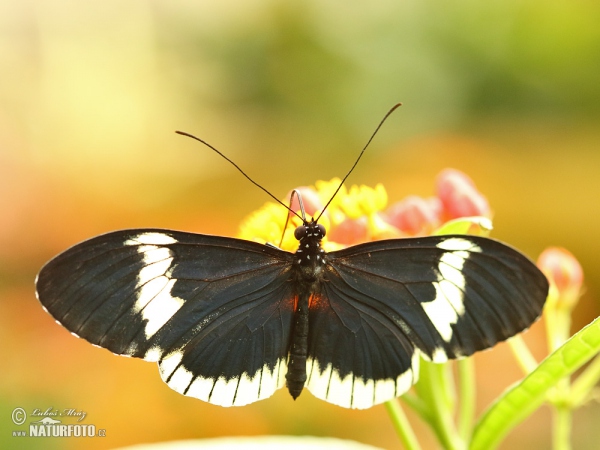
91,93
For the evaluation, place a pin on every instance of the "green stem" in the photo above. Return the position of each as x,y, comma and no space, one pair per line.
559,330
402,425
466,403
562,331
433,391
561,431
417,405
522,354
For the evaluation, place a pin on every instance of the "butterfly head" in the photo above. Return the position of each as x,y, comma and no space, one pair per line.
310,230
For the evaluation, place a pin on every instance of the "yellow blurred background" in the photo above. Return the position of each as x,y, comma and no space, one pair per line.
92,92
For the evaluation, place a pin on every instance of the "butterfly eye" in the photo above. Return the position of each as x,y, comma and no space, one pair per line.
321,229
300,232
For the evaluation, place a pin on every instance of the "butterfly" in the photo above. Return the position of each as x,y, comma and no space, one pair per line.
230,321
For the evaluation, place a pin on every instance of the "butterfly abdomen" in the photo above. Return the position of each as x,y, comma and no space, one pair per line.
296,373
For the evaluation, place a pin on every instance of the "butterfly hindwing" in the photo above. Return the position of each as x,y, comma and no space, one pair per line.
240,356
358,356
214,311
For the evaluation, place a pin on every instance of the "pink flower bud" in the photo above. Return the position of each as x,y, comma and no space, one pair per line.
563,271
459,196
349,232
415,215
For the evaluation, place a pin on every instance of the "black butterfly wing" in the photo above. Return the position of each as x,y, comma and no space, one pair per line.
215,312
445,296
358,355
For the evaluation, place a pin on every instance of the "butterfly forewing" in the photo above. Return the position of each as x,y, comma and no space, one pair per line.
450,295
216,312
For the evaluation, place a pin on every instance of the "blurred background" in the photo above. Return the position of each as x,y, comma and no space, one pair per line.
92,92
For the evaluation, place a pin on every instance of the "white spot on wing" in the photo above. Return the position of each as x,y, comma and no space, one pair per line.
317,382
454,244
200,388
451,265
454,296
354,392
237,391
153,254
156,261
441,313
439,356
448,305
151,238
160,309
340,390
154,299
149,291
180,379
384,390
281,372
154,354
362,394
248,389
169,364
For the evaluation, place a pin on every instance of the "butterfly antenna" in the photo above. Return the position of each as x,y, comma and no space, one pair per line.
183,133
359,156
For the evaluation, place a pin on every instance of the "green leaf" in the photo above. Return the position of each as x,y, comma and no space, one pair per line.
519,401
477,225
583,386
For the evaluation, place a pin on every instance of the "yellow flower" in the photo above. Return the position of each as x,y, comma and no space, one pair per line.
353,216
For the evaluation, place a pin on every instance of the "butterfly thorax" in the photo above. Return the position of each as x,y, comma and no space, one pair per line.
310,256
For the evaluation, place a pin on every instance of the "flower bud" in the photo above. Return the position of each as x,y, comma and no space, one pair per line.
415,215
564,272
349,232
459,196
